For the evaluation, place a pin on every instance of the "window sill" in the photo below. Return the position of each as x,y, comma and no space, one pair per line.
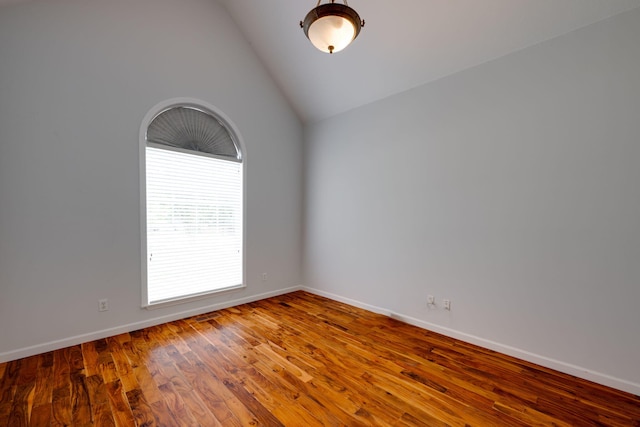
190,298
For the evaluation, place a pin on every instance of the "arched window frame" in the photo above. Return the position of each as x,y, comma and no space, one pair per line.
237,138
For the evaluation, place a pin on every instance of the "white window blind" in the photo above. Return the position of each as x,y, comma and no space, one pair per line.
194,224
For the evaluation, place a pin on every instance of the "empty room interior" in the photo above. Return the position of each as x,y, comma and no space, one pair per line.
438,225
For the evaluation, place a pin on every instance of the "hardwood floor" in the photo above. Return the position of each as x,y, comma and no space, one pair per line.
296,360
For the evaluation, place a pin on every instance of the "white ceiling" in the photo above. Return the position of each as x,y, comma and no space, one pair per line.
404,44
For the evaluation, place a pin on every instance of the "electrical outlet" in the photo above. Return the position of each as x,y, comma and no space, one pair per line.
264,277
431,300
103,304
447,304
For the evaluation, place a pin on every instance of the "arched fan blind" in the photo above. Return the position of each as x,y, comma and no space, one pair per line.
192,129
194,213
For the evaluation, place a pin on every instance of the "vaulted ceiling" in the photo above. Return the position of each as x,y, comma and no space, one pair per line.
404,44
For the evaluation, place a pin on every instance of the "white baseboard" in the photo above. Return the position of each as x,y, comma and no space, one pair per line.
567,368
104,333
558,365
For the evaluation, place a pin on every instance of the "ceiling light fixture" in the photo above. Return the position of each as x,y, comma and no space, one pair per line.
332,26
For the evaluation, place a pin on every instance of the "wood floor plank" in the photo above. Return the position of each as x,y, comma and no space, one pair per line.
21,411
122,365
177,406
90,356
76,360
192,400
203,387
120,409
41,416
147,384
142,412
80,402
98,398
162,414
28,371
61,409
292,360
43,384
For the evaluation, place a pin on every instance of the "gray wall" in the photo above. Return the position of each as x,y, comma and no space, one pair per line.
76,79
512,188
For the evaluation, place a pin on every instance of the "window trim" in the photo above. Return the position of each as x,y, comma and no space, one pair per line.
142,144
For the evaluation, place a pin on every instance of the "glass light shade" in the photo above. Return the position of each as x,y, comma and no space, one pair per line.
331,33
331,27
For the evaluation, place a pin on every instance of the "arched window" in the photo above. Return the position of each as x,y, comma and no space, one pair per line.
192,198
